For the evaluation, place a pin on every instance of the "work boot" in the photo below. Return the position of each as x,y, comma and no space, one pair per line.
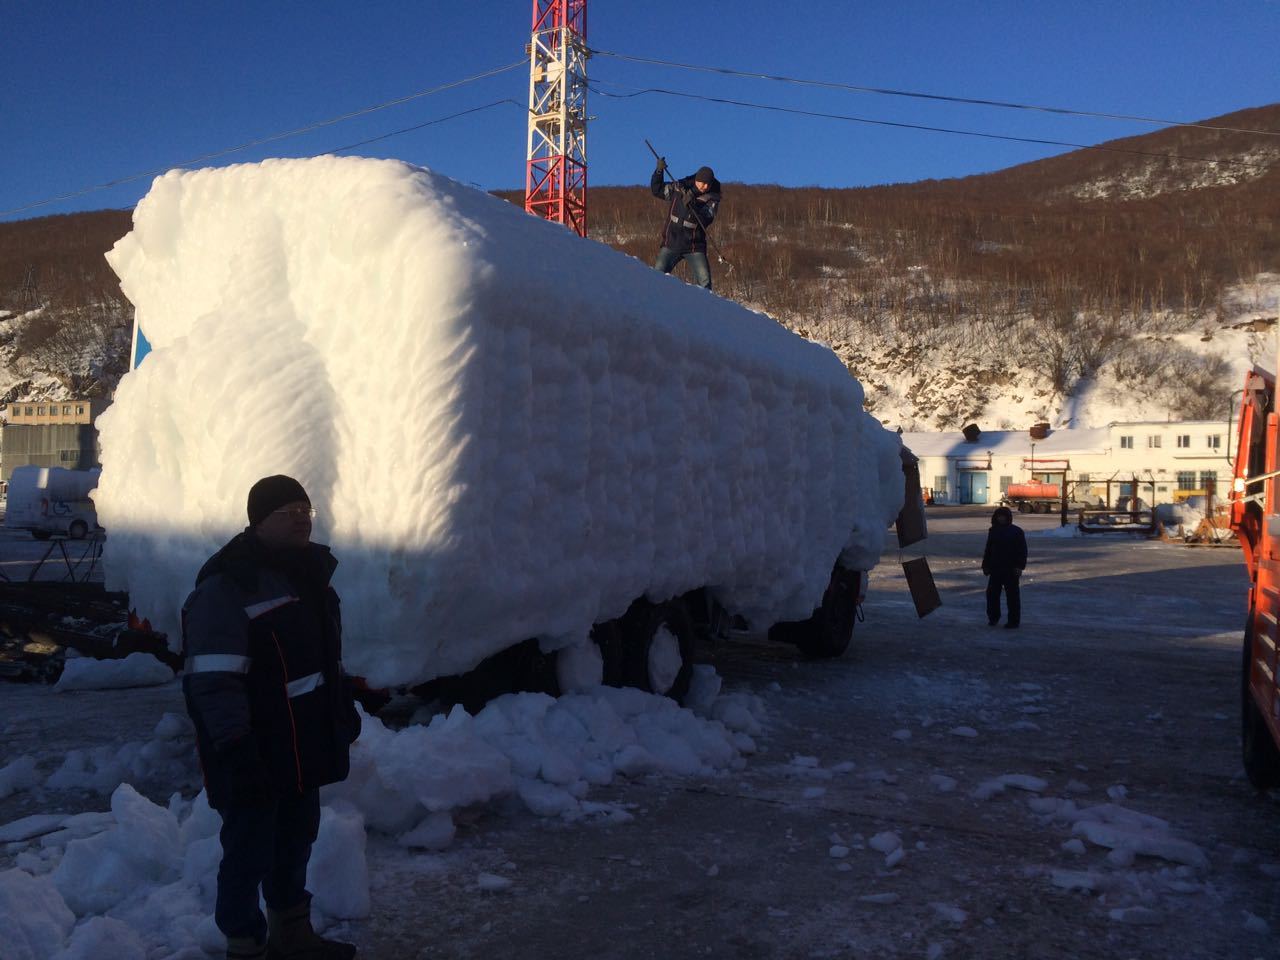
245,948
291,937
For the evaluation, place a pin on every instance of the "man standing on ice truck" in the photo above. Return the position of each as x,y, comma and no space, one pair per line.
684,233
1003,561
274,717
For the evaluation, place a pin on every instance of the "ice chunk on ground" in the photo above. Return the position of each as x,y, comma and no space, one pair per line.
337,874
135,670
493,883
886,842
32,826
950,912
989,788
102,937
18,775
33,916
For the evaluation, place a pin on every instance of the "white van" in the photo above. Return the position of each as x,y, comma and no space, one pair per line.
52,501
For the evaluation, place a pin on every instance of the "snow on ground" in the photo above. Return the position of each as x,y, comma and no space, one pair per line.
139,881
508,431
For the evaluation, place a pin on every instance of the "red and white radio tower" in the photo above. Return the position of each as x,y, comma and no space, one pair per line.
556,169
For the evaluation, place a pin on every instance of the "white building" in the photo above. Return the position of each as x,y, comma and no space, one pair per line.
1168,460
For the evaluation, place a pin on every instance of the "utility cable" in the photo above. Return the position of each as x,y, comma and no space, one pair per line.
885,91
428,123
364,111
594,86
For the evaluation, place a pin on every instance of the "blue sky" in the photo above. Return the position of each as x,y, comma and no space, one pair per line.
95,92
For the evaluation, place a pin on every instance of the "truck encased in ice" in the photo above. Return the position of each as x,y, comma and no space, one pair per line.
516,439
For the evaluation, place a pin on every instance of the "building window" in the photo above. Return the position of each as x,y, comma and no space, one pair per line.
1126,443
1184,441
939,487
69,456
40,411
66,411
1082,478
1004,484
29,411
79,409
1187,480
1153,440
1208,480
1215,441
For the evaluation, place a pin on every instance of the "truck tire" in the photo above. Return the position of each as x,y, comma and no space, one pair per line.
827,633
657,648
1258,750
78,530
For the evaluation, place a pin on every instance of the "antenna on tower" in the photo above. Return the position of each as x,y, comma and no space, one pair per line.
556,166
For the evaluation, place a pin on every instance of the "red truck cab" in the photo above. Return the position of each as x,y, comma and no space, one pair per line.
1255,517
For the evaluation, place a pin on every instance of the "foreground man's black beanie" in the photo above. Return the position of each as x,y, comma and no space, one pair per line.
270,494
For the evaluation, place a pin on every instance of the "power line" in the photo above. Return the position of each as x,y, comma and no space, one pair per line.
428,123
364,111
594,85
886,91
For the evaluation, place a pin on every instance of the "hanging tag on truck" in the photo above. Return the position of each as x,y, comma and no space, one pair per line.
920,582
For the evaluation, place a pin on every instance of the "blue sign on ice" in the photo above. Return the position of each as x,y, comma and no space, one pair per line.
140,347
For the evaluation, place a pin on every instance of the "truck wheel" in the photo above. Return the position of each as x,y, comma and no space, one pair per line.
41,534
657,648
78,530
1258,749
608,637
827,633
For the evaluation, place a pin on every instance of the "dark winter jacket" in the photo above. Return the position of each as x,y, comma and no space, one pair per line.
685,228
1006,549
262,637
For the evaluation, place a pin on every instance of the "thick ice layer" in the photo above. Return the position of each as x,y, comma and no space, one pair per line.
508,431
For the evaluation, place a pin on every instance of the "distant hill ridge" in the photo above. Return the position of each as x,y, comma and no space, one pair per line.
1001,296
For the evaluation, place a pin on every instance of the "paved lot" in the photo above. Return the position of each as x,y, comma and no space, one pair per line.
1122,679
1121,688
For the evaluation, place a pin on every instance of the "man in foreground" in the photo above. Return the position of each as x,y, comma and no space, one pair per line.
274,719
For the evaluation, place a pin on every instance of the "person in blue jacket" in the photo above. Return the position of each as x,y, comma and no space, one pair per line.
694,202
1003,561
274,717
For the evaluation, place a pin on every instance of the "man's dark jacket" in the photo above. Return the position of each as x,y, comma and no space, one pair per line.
262,637
1006,549
684,230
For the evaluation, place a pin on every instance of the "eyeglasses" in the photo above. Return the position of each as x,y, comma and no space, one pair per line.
297,513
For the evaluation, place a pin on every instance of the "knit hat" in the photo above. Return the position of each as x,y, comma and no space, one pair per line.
705,175
270,494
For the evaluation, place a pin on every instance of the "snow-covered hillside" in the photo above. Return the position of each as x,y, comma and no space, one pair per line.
1000,380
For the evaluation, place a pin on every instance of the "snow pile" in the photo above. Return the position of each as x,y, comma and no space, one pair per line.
508,431
140,881
135,670
547,752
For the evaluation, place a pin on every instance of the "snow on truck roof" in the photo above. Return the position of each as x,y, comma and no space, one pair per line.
508,431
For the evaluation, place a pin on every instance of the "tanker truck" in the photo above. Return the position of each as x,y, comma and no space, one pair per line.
523,446
1033,496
